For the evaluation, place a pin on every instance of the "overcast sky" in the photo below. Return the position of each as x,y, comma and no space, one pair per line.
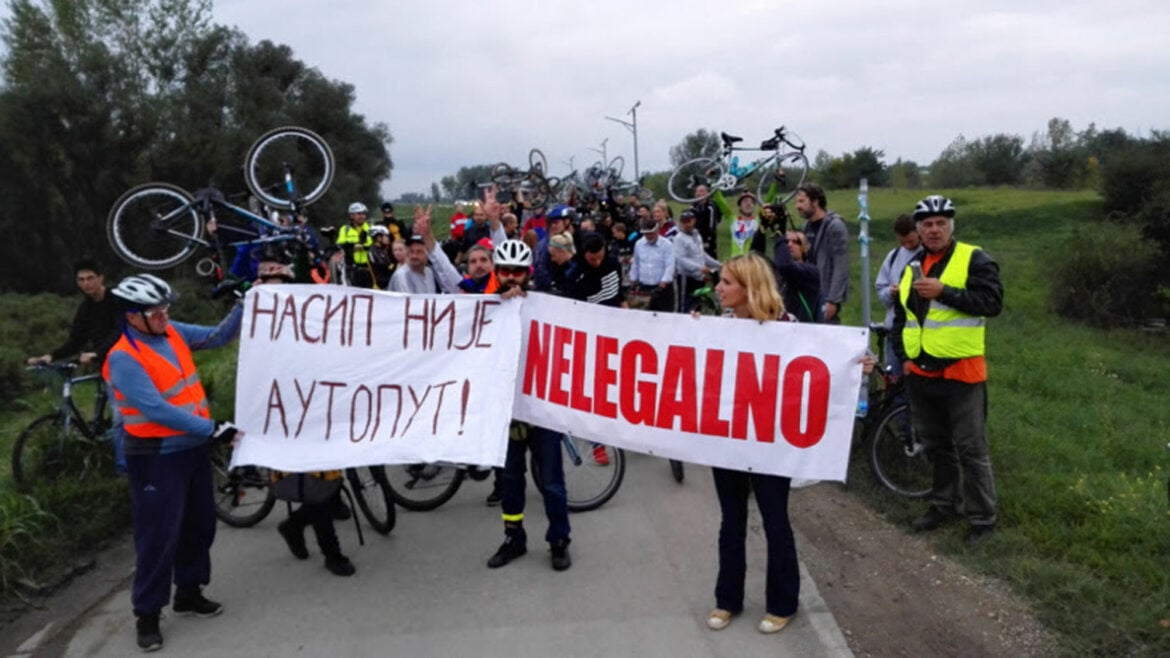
473,82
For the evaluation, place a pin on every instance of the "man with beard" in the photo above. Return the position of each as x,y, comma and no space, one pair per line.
828,239
428,270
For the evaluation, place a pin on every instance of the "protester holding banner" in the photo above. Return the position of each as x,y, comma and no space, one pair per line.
513,260
748,287
168,435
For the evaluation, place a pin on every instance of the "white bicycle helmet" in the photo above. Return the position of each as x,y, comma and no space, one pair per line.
358,206
379,230
933,206
144,291
512,253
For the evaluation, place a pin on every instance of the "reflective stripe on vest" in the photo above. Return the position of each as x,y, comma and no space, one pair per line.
349,235
181,390
946,332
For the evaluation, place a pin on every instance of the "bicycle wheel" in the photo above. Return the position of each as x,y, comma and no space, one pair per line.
691,174
616,166
591,478
423,487
44,452
897,457
795,165
242,495
503,175
154,226
372,490
676,469
537,162
289,167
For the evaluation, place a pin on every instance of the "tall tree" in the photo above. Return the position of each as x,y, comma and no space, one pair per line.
100,95
702,143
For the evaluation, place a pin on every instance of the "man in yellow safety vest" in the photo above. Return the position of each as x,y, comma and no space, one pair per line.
946,294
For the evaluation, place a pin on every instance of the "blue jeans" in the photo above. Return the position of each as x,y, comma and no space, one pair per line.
545,445
782,589
173,510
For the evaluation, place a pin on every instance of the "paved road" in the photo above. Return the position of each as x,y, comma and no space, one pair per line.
641,583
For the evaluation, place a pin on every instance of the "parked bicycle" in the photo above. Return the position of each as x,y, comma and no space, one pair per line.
897,456
244,497
725,172
66,443
159,225
589,481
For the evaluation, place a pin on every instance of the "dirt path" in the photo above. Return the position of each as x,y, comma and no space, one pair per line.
893,595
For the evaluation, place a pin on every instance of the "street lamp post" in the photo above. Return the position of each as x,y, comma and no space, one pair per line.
604,157
632,126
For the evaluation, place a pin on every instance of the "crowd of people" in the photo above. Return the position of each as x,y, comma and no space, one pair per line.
939,293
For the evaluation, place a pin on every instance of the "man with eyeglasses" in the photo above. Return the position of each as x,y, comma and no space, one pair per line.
169,433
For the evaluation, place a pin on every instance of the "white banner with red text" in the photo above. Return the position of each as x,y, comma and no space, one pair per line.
768,397
331,377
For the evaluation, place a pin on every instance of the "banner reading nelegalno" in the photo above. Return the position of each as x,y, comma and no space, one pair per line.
331,377
766,397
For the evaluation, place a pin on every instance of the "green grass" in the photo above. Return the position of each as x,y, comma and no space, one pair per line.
1078,425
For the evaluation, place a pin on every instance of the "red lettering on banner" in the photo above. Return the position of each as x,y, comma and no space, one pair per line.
536,361
342,308
353,413
439,405
710,423
674,403
418,404
304,403
446,315
604,376
578,399
483,321
305,314
408,317
290,312
637,398
557,394
755,394
275,402
812,408
257,311
329,406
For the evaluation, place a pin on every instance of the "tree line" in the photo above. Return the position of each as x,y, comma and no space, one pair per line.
101,95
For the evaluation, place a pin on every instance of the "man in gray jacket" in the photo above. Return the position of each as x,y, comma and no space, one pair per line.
828,239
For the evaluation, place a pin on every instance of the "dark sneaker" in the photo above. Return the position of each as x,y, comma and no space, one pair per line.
194,603
295,538
508,551
560,555
341,510
339,565
149,637
932,520
977,534
493,498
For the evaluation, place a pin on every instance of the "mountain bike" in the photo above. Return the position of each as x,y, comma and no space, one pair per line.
534,181
588,482
66,443
897,456
158,225
726,173
244,498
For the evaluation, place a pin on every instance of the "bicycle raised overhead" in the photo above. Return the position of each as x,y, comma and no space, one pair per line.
159,225
783,152
66,443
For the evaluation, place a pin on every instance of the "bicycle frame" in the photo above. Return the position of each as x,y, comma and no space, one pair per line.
69,409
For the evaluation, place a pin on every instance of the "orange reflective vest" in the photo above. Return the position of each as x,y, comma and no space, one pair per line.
179,386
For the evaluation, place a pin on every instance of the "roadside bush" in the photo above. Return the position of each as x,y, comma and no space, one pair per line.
22,525
1106,278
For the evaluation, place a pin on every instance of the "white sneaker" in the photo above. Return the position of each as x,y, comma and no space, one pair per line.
800,483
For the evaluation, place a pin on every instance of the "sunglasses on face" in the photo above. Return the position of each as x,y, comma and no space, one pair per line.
511,271
157,312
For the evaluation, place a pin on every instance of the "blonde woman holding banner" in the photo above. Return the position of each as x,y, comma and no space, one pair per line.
748,287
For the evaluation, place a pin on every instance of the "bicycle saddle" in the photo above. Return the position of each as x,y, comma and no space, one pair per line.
327,231
730,139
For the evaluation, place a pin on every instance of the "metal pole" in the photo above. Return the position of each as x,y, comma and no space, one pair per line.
634,113
863,238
